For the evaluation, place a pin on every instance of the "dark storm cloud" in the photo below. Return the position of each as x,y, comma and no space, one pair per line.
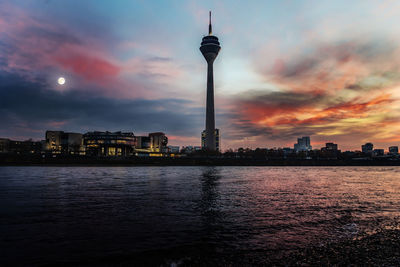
30,106
257,104
279,98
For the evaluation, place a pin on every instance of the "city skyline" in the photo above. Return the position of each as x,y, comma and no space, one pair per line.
331,72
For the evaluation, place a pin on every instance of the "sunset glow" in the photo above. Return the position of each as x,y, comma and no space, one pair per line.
331,72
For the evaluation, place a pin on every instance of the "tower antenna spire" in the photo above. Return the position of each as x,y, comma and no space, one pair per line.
209,26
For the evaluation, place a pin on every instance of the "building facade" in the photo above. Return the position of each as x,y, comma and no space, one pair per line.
367,148
59,142
109,144
8,146
303,144
158,142
217,139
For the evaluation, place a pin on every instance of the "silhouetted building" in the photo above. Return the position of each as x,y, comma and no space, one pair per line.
303,144
59,142
4,145
287,150
330,151
378,152
158,142
210,48
20,147
367,148
331,147
394,150
217,139
108,144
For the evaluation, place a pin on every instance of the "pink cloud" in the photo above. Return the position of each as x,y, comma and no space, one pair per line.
87,66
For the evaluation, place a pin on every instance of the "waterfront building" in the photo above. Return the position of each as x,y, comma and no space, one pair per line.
287,150
330,151
109,144
4,145
158,142
367,148
210,48
54,141
331,147
217,139
378,152
173,149
59,142
142,142
303,144
394,150
20,147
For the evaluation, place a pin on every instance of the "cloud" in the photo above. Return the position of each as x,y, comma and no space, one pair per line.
91,68
329,67
31,108
33,47
283,116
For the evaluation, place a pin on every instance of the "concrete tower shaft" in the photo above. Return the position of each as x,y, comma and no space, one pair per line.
210,48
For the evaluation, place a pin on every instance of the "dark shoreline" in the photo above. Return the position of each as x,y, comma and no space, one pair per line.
39,160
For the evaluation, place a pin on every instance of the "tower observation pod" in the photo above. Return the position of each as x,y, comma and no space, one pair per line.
210,48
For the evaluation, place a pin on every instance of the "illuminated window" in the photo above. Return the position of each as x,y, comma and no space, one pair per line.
111,151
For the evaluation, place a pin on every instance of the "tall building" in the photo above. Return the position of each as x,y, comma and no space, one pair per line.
367,148
210,48
217,139
303,144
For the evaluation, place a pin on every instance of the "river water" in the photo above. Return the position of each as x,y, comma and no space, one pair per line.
170,215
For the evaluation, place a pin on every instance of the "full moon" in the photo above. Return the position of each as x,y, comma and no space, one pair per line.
61,80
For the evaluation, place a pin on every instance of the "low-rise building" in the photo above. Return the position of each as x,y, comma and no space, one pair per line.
378,152
331,147
367,148
4,145
394,150
109,144
158,142
173,149
59,142
142,143
20,147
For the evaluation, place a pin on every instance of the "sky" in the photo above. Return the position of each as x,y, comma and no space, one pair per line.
325,69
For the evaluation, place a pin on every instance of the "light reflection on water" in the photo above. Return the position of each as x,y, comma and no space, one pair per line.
53,214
